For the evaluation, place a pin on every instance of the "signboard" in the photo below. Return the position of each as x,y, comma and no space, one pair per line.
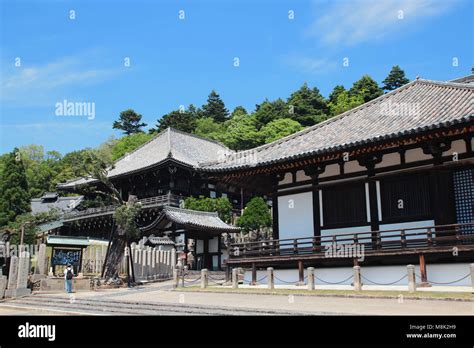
66,256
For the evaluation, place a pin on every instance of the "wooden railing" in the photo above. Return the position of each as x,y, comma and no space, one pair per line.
371,241
163,200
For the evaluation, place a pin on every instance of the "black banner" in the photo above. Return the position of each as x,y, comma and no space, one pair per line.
174,330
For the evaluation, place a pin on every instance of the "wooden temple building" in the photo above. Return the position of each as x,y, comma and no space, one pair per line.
161,174
393,176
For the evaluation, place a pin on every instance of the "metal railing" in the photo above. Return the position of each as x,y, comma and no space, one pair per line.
163,200
370,241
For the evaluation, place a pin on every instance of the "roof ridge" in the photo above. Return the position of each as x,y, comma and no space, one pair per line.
184,210
142,145
198,137
329,120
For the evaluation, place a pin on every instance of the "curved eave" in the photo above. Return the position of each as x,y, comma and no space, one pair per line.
324,151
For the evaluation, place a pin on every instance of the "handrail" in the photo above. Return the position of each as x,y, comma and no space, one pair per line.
162,199
397,239
352,234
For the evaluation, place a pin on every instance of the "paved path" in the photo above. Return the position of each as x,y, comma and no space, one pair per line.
158,298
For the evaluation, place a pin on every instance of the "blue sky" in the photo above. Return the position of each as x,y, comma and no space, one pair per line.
176,61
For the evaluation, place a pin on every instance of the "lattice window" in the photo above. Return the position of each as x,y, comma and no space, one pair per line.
464,198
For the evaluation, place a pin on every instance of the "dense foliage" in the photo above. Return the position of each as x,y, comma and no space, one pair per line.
256,216
221,205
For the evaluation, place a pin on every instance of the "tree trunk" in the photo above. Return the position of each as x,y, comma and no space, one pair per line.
115,255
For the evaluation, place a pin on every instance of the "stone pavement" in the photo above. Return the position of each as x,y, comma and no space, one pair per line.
161,295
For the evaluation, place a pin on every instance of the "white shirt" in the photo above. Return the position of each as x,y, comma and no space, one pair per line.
67,269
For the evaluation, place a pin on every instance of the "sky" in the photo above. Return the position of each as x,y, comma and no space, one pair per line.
154,56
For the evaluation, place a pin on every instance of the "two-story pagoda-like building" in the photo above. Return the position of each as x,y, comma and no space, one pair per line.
393,177
161,174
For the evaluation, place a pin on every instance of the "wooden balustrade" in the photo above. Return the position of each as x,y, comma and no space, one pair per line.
371,241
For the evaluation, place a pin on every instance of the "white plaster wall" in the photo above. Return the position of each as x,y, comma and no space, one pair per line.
458,146
413,224
389,159
296,222
214,245
352,167
301,176
416,155
439,273
331,170
288,179
347,230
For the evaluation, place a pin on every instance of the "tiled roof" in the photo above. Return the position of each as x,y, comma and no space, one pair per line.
198,220
417,106
51,200
464,79
185,148
160,240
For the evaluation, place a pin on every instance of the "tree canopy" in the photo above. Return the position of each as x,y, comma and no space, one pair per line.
395,79
256,216
14,195
215,108
129,122
367,87
221,205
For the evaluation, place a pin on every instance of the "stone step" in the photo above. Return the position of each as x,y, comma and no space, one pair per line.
111,307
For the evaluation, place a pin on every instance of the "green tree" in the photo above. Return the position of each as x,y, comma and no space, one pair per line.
239,110
270,110
129,143
395,79
31,223
215,108
241,133
345,102
367,87
335,93
206,127
129,122
307,106
221,205
256,216
14,196
184,120
278,129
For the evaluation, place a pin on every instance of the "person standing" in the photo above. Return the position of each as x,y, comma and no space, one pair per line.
68,276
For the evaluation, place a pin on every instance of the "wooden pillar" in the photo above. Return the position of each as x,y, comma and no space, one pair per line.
254,274
423,274
300,273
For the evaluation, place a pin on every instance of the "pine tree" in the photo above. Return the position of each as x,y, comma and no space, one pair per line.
215,108
395,79
129,122
335,93
184,120
307,106
14,197
367,87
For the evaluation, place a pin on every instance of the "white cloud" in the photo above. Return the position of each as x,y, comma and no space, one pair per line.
352,22
39,84
310,65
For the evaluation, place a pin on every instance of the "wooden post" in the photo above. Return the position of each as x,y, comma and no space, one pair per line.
424,277
271,279
175,278
411,278
310,278
254,274
300,273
